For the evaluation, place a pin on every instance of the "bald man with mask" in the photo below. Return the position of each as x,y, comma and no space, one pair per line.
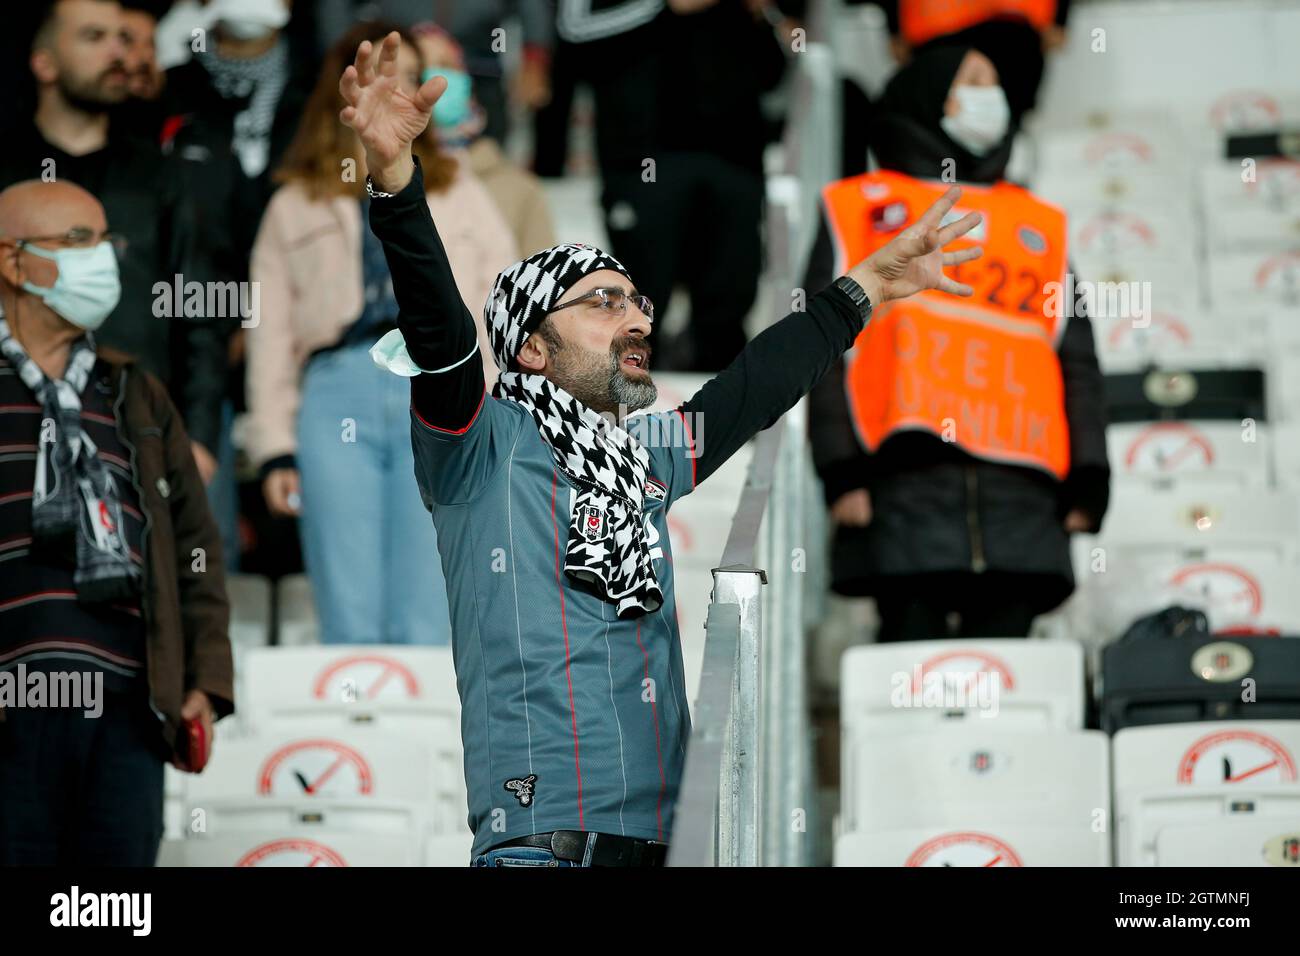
111,579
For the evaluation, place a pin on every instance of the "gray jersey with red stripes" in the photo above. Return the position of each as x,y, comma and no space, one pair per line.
571,718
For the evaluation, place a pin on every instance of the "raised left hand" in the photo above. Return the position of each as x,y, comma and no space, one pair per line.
913,260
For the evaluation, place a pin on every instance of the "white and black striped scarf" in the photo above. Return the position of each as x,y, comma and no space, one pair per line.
260,80
76,511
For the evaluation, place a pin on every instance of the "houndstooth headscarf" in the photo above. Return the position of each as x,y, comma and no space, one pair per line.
607,546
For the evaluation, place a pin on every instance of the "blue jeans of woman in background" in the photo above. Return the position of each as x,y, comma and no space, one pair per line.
369,544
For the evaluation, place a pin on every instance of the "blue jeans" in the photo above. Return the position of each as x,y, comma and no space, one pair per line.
520,856
368,542
223,492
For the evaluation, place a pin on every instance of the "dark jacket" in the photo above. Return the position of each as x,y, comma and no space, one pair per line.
144,201
935,508
197,131
186,612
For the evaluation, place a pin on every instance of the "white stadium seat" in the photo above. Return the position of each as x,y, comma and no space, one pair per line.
1009,844
250,609
296,612
245,776
1148,232
1286,456
1252,281
975,776
1201,773
267,815
1039,685
1191,453
1183,337
1245,840
174,784
1261,597
1167,817
348,685
1253,206
306,847
1242,527
1142,157
381,690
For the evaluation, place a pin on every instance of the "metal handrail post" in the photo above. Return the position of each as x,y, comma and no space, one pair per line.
738,823
695,821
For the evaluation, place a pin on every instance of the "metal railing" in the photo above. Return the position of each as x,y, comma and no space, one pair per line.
747,792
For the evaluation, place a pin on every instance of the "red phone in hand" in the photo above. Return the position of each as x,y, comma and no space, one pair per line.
193,746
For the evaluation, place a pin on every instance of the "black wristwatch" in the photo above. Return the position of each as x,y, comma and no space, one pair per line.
857,294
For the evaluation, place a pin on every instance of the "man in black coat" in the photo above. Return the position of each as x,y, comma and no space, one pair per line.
922,524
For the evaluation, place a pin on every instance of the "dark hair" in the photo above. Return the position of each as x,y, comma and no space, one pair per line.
47,23
551,335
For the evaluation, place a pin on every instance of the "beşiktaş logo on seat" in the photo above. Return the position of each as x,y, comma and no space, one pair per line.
75,908
73,690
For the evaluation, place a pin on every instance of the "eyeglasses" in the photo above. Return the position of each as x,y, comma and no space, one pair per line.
612,302
83,236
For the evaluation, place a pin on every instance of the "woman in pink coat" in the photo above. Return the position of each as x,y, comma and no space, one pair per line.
328,428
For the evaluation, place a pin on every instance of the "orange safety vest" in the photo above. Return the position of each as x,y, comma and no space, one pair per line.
982,371
920,21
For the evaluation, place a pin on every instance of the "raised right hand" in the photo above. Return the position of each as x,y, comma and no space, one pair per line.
385,118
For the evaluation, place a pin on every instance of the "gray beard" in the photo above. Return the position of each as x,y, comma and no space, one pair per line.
603,388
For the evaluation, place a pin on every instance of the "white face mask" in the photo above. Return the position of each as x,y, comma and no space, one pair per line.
982,119
248,19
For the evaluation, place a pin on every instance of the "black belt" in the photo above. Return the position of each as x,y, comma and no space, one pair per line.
609,849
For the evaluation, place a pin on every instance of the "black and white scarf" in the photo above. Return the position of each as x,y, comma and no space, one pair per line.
607,548
260,80
76,511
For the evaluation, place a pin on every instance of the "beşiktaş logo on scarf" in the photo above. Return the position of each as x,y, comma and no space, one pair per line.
592,521
607,547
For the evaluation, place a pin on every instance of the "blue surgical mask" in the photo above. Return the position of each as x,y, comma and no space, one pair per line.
87,288
453,107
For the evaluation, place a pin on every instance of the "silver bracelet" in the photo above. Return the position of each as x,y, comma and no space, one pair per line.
374,193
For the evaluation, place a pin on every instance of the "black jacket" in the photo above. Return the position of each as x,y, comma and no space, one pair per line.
198,126
144,200
937,509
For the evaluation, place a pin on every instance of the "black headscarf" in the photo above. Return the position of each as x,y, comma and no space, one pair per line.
906,135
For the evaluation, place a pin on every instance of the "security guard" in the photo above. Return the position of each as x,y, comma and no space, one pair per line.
961,440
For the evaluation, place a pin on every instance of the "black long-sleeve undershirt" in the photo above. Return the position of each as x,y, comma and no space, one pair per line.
768,377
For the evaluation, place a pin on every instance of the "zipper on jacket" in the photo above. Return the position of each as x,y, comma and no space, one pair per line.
145,610
977,562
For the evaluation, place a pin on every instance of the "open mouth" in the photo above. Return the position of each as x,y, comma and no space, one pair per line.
635,359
